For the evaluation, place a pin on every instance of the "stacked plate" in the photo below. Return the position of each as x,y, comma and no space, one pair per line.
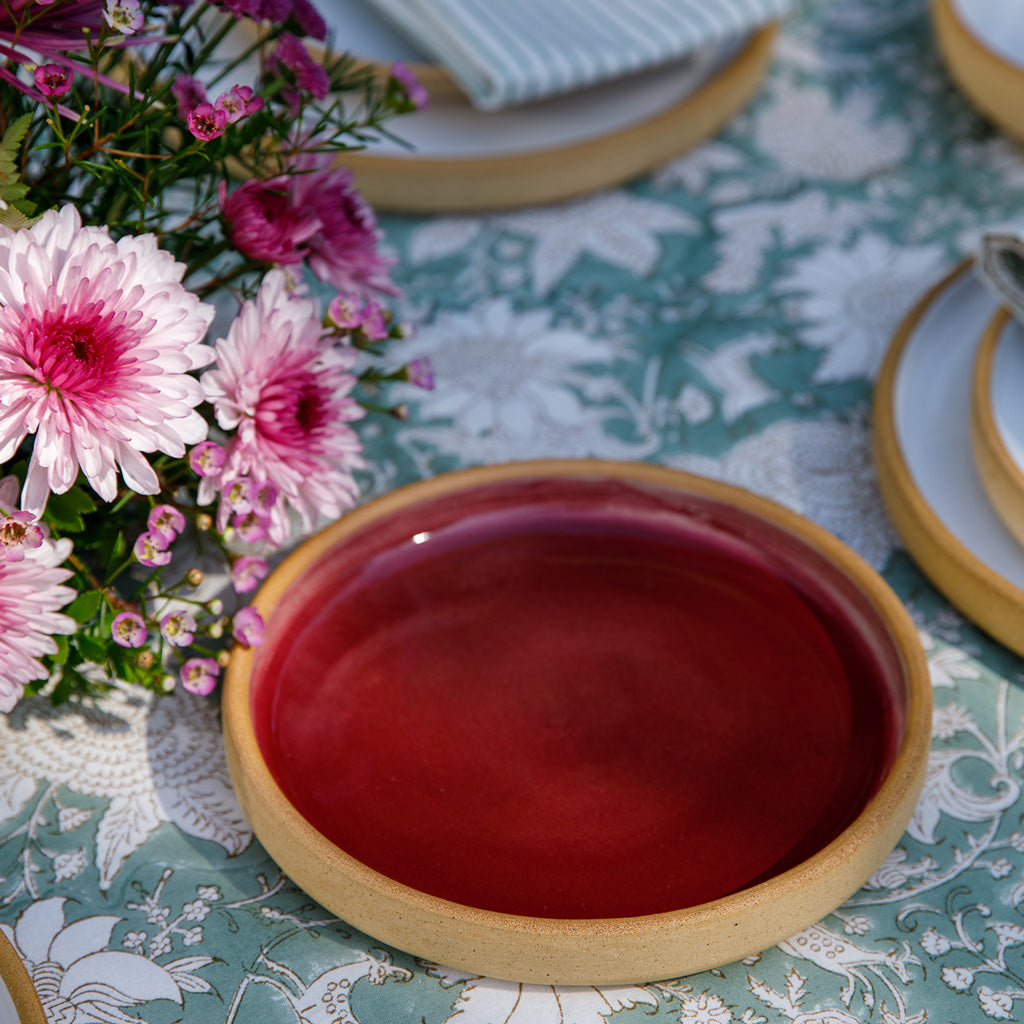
949,448
982,42
451,157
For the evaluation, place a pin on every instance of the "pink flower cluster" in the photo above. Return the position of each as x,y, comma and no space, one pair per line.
207,120
282,392
311,213
153,547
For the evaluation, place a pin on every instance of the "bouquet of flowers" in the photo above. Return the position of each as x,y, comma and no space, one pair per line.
171,391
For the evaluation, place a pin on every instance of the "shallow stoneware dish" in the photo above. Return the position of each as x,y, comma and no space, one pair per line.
982,44
928,475
997,418
578,722
19,1003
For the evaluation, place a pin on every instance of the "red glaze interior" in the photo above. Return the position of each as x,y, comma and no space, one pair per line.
577,699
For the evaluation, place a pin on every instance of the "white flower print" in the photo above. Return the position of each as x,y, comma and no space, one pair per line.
153,758
935,944
958,978
997,1005
80,981
728,370
823,470
616,227
854,299
512,384
707,1008
484,1001
812,138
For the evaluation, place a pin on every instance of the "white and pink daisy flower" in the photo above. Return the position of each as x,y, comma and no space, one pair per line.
97,340
31,596
284,392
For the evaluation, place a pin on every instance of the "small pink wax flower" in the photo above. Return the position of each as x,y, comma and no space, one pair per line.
189,92
252,527
166,520
128,629
420,372
205,122
53,79
151,549
124,16
238,102
207,459
178,628
246,573
199,675
309,75
247,627
240,495
414,90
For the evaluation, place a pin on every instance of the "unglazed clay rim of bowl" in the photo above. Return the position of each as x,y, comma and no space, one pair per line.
19,985
984,596
590,951
988,79
999,472
411,184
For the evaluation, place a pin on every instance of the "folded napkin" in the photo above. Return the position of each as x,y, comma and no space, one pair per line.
505,52
1001,266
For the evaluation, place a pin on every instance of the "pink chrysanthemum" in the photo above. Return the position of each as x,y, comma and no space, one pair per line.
97,339
31,596
284,391
344,252
263,224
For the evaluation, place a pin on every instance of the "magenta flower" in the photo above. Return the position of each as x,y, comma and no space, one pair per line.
189,92
53,80
247,627
406,78
128,629
178,628
199,675
284,392
31,596
20,532
166,520
343,251
252,527
263,224
34,33
207,459
97,341
151,549
206,122
420,372
308,75
238,102
246,573
124,16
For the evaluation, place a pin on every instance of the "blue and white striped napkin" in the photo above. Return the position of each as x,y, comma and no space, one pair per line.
506,52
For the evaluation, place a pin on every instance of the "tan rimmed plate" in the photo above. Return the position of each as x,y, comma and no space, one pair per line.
19,1003
462,160
982,43
578,722
997,411
926,469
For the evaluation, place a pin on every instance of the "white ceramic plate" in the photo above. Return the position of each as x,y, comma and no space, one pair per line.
997,24
1007,389
925,464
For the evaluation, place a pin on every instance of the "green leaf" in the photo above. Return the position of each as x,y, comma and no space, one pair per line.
61,657
91,649
9,146
65,511
85,606
117,553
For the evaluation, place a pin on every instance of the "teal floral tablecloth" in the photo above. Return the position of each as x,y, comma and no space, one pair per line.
726,315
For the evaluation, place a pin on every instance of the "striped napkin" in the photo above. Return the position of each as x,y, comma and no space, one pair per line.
1001,266
507,52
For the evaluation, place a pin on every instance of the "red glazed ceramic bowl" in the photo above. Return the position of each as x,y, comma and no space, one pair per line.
578,722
